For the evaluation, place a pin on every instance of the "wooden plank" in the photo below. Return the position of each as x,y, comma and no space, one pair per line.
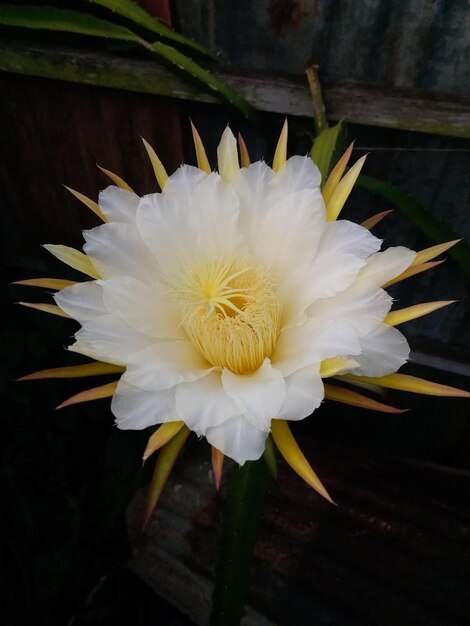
426,112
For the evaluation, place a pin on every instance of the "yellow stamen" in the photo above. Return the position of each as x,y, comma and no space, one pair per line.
231,313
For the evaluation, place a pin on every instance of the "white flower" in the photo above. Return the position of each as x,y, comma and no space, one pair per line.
223,295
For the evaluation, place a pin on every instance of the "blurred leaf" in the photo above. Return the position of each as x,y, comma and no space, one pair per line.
420,217
186,64
65,20
325,148
138,15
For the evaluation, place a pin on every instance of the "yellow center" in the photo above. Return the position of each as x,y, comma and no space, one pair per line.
231,312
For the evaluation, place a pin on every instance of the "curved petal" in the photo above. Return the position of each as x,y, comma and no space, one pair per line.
313,341
305,393
182,234
203,403
118,205
148,309
363,306
342,252
118,250
253,187
82,301
180,185
297,174
107,338
388,264
166,364
290,231
135,409
384,351
238,439
259,396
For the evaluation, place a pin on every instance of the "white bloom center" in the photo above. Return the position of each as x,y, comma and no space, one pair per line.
231,312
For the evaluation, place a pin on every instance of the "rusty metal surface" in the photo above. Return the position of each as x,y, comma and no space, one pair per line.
394,551
411,43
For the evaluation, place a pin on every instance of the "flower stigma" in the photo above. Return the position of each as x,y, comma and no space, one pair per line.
231,312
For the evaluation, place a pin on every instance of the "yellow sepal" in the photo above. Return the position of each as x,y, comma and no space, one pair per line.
412,312
412,270
404,382
73,258
342,191
347,396
372,221
287,446
217,465
280,156
104,391
430,253
336,174
162,436
95,368
201,156
116,179
46,283
91,204
244,156
158,168
336,365
53,309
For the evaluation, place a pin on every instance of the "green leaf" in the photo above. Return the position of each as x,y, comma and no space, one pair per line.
420,217
326,147
186,64
138,15
243,509
65,20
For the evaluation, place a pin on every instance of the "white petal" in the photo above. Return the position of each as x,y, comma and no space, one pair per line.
135,408
184,234
118,205
311,342
297,174
166,364
227,156
203,403
384,351
82,301
290,232
305,393
181,184
259,396
109,339
253,186
118,250
388,264
148,309
238,439
363,305
343,250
